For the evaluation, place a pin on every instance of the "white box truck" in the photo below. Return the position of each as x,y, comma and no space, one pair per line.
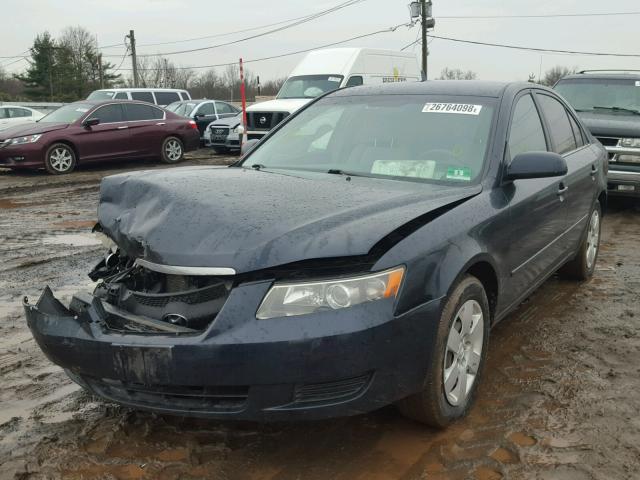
324,70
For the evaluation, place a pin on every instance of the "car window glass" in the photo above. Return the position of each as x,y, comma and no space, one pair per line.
355,81
223,108
184,95
3,113
576,132
18,112
206,109
121,96
559,126
527,134
165,98
142,96
108,114
137,112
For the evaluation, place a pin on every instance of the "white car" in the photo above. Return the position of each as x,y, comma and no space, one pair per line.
11,116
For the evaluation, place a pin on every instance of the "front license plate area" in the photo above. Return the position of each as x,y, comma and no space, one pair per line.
145,365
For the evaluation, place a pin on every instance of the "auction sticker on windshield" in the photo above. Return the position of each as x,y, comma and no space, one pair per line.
459,108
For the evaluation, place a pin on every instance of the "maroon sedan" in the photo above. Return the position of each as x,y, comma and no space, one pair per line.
87,131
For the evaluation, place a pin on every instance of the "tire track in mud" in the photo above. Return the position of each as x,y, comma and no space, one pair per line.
547,407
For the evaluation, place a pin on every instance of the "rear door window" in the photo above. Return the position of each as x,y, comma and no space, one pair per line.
527,134
165,98
222,108
19,112
560,129
136,112
143,97
577,132
121,96
109,114
206,109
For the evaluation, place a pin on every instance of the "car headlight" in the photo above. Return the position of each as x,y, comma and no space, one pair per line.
23,140
291,299
238,129
631,142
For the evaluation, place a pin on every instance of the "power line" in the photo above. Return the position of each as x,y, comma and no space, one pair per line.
531,49
559,15
378,32
279,29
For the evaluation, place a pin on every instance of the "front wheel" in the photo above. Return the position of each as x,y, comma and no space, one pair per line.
60,159
584,264
172,150
457,360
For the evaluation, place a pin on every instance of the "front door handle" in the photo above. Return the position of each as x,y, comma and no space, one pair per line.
123,128
562,189
160,123
594,170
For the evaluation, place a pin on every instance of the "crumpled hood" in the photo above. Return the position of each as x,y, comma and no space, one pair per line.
250,220
611,124
32,129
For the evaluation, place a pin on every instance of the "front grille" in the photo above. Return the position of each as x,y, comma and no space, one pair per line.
330,392
609,141
219,131
190,298
225,399
265,120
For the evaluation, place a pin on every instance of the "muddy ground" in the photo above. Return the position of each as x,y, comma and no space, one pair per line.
560,399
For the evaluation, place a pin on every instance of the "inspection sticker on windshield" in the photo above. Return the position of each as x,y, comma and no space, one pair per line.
335,79
637,84
459,173
459,108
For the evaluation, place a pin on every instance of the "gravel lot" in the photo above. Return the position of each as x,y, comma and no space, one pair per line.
559,399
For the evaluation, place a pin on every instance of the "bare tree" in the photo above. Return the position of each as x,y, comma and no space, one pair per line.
457,74
552,76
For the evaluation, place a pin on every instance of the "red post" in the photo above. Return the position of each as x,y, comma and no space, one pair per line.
243,95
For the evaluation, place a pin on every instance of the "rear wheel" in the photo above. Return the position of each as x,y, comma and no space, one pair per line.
172,150
584,264
60,159
457,360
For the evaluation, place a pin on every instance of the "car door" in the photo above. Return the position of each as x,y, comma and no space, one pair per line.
204,115
567,140
110,139
147,128
537,207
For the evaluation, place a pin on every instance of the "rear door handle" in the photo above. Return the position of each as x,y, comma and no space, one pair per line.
594,169
161,123
123,128
562,189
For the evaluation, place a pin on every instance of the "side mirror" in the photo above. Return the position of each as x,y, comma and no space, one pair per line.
91,122
248,146
536,165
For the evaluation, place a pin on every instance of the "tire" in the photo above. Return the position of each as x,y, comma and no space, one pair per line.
581,268
60,159
172,150
441,403
221,150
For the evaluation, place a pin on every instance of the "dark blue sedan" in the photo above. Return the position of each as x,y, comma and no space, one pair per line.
358,256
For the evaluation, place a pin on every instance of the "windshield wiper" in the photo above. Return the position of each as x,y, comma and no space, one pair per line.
258,166
618,109
337,171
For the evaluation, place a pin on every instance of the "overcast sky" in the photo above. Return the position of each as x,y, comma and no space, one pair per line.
169,20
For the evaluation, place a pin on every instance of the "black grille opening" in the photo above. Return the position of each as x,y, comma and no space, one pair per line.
219,399
265,120
609,141
330,392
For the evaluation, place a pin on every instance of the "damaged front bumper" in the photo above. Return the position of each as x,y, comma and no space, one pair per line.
316,366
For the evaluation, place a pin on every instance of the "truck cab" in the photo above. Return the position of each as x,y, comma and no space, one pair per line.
322,71
609,105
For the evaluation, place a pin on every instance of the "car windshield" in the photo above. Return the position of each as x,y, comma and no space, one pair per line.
67,113
427,138
309,86
101,95
601,94
182,108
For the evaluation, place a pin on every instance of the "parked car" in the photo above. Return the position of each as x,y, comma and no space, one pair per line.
609,105
357,257
223,135
324,70
203,112
90,131
11,115
157,96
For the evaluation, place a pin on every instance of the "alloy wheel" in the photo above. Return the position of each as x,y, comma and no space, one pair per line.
173,150
61,159
593,239
463,352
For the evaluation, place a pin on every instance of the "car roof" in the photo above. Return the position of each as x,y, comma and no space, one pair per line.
604,76
439,87
119,89
106,102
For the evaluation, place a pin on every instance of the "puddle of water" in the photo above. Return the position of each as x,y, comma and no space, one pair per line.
75,240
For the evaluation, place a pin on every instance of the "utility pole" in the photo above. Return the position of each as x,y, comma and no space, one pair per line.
100,72
134,59
425,47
